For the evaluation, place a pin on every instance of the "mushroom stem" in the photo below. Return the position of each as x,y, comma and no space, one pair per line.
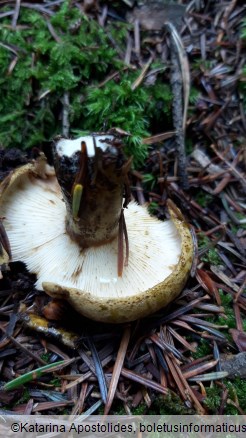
94,183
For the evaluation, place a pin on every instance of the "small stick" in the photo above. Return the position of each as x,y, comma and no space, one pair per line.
180,81
16,13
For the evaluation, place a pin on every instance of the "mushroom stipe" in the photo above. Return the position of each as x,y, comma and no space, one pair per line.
79,220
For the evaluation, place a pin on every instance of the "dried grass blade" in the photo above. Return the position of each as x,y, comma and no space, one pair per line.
188,389
29,407
210,308
222,276
213,332
183,325
232,251
175,376
216,354
161,359
241,290
200,369
231,168
143,381
239,322
44,406
81,378
239,338
180,311
158,138
235,240
90,411
54,349
75,381
208,284
165,346
193,320
99,371
80,402
210,376
117,369
181,339
195,362
140,78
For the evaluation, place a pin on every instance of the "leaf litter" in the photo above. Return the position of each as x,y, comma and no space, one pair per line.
121,368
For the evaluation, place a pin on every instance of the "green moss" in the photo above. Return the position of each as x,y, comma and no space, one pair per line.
202,240
56,382
140,410
227,303
149,180
45,356
203,64
36,73
211,255
170,404
237,389
194,95
203,349
203,199
152,207
213,399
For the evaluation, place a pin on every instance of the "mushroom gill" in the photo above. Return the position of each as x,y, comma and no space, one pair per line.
74,252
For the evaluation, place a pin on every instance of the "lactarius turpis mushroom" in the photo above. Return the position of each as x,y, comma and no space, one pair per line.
79,232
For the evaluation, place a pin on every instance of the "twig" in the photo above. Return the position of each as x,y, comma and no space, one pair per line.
180,88
117,369
16,13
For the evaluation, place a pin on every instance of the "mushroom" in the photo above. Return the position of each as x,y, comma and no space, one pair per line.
87,242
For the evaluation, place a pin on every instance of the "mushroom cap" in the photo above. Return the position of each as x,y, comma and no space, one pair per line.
160,254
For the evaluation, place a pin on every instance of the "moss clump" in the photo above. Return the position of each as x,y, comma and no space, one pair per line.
227,303
45,58
171,404
203,349
236,394
45,357
203,199
213,399
237,390
211,256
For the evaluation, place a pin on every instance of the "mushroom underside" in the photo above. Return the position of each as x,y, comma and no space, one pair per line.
159,259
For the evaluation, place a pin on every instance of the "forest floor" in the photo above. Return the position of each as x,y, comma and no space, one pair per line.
181,353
